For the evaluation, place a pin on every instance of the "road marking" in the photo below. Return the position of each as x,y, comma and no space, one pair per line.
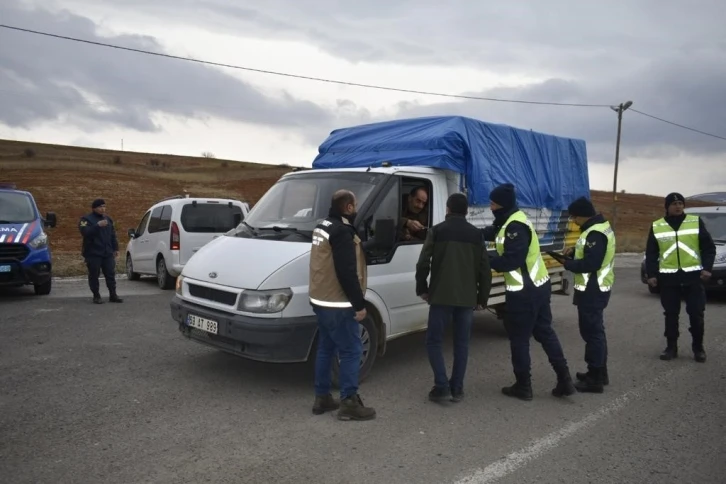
514,461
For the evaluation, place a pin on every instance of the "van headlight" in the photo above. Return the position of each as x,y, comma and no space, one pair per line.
720,258
40,241
272,301
179,284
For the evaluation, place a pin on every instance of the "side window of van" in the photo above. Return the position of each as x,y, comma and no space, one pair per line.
141,229
155,219
164,219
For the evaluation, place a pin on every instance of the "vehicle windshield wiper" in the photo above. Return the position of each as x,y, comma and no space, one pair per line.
277,228
6,221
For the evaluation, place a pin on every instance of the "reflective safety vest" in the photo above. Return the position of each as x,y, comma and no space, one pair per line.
535,264
606,274
678,249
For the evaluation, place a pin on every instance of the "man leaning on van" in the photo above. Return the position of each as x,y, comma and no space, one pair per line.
338,278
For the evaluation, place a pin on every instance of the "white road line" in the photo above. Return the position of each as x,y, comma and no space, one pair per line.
512,462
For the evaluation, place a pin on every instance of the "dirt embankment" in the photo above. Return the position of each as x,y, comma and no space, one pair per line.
66,179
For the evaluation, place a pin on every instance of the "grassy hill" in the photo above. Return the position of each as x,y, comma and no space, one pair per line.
65,179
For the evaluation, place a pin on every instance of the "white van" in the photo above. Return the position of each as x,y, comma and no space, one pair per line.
247,293
173,230
714,218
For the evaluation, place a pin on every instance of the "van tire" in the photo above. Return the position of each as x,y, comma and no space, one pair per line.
130,274
43,289
163,278
370,351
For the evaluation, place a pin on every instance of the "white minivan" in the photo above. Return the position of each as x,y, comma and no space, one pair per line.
173,230
246,293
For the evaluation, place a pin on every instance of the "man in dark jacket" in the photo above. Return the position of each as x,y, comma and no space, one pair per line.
679,256
528,294
455,254
593,267
100,250
338,283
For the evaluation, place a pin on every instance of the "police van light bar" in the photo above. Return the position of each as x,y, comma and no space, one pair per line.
9,185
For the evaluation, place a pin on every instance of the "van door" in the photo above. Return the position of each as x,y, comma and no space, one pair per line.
203,221
148,246
138,243
391,274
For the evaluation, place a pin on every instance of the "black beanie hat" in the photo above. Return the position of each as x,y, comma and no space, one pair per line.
582,207
97,203
674,197
504,195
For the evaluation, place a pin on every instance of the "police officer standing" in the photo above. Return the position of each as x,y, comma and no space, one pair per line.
100,249
593,269
528,293
338,280
679,256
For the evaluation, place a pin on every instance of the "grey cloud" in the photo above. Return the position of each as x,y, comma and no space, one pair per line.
44,79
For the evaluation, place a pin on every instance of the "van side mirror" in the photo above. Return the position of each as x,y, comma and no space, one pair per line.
237,217
50,219
385,234
132,233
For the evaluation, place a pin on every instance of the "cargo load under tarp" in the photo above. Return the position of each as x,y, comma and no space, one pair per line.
548,171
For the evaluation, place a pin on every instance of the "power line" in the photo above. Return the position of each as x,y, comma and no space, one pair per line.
298,76
679,125
346,83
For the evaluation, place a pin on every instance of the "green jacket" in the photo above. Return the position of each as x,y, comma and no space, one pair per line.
455,255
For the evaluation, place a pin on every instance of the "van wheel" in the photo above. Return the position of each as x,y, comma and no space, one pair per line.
43,289
163,278
369,338
130,274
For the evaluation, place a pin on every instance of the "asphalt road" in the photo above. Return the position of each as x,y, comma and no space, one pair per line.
113,394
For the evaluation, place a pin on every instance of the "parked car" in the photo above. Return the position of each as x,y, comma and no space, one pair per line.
173,230
263,312
25,257
715,220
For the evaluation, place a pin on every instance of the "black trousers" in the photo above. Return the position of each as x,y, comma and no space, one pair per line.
695,296
95,266
533,319
592,330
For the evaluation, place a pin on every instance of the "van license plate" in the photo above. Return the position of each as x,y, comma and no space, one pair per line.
5,268
202,323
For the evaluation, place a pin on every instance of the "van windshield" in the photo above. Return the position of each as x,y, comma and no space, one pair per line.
16,208
715,224
298,202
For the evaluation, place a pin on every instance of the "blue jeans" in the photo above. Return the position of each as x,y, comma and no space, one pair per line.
338,331
439,316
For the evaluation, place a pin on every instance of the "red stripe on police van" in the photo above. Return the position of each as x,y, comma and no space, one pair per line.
29,232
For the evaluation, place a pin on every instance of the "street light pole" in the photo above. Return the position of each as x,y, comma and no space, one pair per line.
618,109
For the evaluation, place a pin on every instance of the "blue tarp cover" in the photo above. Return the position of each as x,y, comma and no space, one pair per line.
547,171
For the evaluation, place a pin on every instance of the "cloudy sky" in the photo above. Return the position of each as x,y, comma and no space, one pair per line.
667,56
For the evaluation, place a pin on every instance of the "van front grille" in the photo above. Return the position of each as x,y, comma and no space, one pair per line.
210,294
14,251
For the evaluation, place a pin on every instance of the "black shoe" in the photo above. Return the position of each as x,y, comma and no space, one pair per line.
115,299
457,394
699,355
564,386
439,394
522,389
324,403
669,353
592,383
582,376
97,299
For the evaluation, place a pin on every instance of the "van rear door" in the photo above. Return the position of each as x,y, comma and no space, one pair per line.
202,221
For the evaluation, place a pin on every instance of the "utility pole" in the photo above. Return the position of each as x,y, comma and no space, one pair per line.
618,109
122,144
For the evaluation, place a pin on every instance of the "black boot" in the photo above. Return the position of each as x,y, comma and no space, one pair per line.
604,374
114,298
97,299
592,383
670,352
522,389
699,354
564,383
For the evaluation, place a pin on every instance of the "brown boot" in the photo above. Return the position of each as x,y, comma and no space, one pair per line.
352,408
324,403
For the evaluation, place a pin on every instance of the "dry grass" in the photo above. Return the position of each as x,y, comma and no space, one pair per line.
70,264
66,179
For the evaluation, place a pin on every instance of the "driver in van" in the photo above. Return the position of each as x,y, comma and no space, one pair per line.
415,217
